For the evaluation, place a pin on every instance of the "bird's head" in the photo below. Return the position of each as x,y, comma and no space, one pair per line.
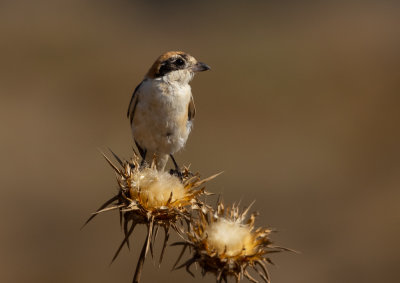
177,65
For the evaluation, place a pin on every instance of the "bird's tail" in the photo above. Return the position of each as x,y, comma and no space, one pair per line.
160,160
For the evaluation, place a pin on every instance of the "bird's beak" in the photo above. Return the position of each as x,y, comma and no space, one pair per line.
200,67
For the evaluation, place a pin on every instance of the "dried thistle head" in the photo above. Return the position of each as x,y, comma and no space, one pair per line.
225,243
154,198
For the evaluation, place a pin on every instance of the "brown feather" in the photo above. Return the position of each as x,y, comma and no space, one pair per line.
192,109
133,103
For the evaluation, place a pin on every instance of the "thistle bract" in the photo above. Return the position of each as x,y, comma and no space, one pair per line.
154,198
226,243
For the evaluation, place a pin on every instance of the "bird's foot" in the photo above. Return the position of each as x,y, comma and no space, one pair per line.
177,173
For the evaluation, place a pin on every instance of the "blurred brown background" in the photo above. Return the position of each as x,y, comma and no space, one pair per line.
301,111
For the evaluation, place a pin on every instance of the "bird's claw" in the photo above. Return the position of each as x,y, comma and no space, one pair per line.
177,173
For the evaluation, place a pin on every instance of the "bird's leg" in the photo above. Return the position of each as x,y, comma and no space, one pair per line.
143,158
174,161
177,171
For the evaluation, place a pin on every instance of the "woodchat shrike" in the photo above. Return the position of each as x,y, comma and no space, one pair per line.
162,109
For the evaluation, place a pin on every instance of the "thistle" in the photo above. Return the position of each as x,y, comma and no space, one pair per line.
226,244
153,198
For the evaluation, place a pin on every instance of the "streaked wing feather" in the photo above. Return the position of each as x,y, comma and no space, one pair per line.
192,109
132,104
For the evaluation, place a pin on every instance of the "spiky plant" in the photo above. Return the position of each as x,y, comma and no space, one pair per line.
223,242
153,198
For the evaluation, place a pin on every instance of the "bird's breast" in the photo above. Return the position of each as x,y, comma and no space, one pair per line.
165,99
161,117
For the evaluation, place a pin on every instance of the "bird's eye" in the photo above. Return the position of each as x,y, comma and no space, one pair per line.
179,62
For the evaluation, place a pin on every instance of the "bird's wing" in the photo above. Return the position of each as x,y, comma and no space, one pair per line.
133,103
192,109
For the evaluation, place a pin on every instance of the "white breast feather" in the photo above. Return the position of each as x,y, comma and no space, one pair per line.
160,123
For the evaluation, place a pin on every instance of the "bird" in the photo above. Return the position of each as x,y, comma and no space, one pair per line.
162,109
